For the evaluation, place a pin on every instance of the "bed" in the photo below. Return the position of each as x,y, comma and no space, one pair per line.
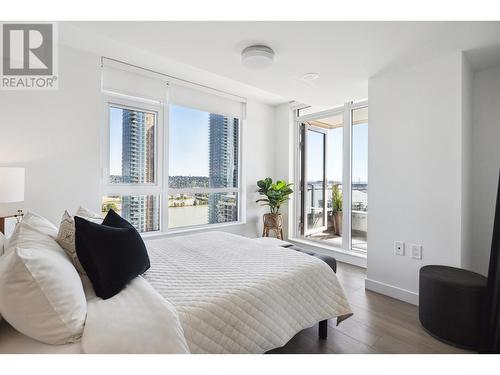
235,296
231,295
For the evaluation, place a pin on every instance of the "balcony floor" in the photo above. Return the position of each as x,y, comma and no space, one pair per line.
327,237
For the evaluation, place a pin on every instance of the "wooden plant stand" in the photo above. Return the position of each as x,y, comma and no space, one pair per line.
273,222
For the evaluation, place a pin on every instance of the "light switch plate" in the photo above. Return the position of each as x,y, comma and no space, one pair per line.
399,248
416,251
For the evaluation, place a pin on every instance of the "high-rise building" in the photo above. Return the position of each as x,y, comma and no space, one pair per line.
223,167
138,147
226,208
138,167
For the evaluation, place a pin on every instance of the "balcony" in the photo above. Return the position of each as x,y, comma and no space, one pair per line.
359,232
331,235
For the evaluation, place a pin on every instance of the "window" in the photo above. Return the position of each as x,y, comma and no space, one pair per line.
142,211
333,177
322,176
203,153
172,155
315,197
132,187
359,179
203,167
132,145
202,209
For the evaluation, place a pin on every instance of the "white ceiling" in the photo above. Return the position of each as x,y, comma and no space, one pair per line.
345,54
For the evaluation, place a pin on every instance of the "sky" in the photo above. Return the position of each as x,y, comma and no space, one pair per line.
188,158
191,157
334,165
360,153
185,157
115,141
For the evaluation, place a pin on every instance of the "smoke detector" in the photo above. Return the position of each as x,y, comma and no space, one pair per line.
257,57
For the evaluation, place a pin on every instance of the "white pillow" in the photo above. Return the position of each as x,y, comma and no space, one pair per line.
89,215
27,236
138,320
66,235
40,223
41,295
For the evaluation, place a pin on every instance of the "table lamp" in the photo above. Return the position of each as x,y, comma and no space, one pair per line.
11,190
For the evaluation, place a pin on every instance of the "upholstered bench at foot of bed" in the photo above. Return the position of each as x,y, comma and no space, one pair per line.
331,261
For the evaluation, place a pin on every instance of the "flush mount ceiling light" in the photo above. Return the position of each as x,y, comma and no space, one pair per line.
309,77
257,57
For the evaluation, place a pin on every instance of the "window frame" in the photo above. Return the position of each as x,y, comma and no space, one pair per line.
127,104
121,189
160,187
351,107
201,190
346,110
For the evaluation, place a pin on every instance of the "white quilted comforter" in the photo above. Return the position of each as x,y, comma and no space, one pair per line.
233,295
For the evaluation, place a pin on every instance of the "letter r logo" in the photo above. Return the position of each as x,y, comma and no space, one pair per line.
27,49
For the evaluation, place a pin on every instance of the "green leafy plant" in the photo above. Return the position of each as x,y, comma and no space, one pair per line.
336,198
109,206
276,193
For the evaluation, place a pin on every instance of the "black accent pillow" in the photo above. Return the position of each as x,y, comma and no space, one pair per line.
112,254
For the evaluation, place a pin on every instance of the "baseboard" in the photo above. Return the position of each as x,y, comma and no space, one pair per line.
392,291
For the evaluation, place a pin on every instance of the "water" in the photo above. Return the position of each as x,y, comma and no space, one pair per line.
187,216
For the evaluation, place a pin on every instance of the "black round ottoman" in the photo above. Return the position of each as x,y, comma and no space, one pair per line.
451,304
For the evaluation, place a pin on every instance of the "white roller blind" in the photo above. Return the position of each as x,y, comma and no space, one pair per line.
120,78
122,82
204,100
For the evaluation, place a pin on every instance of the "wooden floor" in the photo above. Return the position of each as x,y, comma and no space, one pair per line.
380,324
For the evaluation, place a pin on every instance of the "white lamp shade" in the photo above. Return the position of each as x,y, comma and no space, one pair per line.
11,185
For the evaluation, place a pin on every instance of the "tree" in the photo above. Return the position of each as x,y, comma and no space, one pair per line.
109,206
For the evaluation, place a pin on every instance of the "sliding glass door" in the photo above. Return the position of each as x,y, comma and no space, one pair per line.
333,177
314,181
359,179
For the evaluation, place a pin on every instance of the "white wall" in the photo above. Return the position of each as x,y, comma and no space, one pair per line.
485,162
258,156
467,253
415,172
284,157
55,135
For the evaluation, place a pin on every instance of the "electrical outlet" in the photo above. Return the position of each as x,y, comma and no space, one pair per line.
399,248
416,251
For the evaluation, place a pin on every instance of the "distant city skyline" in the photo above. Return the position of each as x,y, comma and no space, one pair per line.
192,159
334,155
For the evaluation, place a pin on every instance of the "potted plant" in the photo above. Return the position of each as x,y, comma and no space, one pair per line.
276,193
337,208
